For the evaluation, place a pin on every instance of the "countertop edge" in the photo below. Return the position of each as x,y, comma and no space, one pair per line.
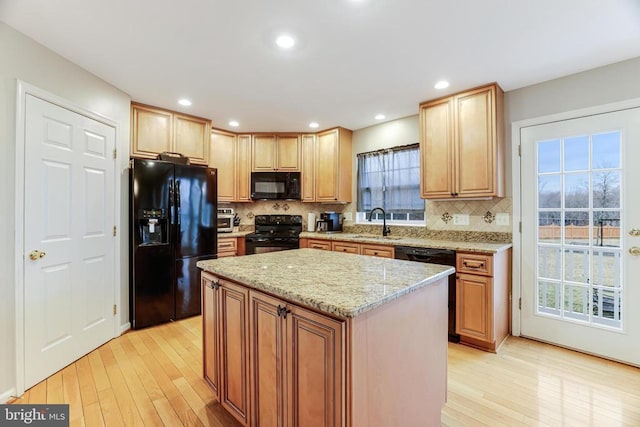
481,247
320,306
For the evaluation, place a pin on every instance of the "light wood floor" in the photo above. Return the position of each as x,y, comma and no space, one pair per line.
154,377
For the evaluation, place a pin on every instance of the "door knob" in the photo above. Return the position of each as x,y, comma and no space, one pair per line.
634,250
36,255
635,232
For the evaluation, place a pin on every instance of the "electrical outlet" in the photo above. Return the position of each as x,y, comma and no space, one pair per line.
502,219
347,216
460,219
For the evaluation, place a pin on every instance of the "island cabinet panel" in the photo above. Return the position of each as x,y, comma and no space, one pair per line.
482,298
297,365
226,344
210,336
398,360
315,369
266,348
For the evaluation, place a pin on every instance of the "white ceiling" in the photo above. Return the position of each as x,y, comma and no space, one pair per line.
353,58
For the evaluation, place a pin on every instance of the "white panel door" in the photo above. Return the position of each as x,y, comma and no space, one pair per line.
580,255
69,277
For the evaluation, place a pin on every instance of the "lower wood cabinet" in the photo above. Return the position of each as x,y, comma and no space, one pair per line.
296,365
273,363
482,298
383,251
226,344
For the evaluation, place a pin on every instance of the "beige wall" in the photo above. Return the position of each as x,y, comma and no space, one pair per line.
25,60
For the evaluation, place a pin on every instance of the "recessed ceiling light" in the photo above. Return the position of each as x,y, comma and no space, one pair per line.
442,84
234,123
185,102
380,117
285,41
313,125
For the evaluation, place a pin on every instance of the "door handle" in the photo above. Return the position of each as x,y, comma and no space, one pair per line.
635,232
634,250
36,255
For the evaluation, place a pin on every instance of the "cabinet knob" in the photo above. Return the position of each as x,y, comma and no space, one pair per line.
283,311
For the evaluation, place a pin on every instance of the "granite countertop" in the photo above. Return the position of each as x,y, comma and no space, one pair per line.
468,246
339,284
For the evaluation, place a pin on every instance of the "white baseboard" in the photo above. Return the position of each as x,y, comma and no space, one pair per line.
7,395
124,328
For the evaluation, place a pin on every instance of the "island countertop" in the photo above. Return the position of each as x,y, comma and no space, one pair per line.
339,284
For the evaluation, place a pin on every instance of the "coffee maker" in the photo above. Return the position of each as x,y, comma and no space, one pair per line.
331,222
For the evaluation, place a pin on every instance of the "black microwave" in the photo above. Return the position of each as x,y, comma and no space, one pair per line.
275,185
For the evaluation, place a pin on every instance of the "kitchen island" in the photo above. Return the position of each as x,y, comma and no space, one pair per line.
308,337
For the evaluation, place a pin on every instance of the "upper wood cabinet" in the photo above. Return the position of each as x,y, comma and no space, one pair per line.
154,131
308,167
462,145
275,153
333,166
230,154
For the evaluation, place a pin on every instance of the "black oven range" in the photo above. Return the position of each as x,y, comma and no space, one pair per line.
274,233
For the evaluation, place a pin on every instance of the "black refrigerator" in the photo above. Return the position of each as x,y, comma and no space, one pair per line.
173,226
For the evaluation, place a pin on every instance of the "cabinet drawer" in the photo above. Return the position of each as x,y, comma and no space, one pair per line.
227,246
324,245
474,263
377,250
350,248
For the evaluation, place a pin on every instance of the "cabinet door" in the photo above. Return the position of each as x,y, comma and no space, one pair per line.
222,156
210,336
243,169
288,153
473,306
377,250
326,173
308,168
266,346
476,142
234,350
263,153
436,150
314,369
324,245
346,247
192,138
226,247
151,131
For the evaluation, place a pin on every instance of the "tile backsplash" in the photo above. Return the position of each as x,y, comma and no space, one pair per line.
484,216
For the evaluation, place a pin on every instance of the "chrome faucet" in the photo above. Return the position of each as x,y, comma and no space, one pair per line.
385,229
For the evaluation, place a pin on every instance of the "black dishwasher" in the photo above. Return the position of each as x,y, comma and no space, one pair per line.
441,257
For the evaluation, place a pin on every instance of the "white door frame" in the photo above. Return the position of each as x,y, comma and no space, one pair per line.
24,89
516,182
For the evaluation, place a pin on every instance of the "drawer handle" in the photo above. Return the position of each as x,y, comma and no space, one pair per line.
473,264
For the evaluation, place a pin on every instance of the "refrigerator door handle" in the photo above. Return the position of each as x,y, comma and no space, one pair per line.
171,217
177,191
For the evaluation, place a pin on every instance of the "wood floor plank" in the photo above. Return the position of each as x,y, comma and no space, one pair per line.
154,377
55,392
71,393
128,409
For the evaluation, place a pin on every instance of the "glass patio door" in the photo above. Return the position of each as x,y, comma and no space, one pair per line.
580,277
